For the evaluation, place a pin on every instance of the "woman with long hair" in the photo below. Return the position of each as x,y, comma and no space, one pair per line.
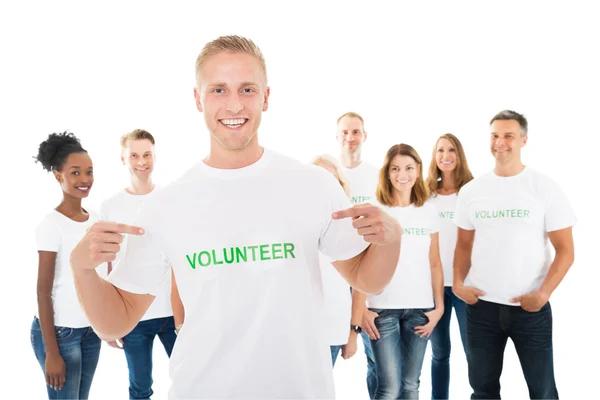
400,320
448,173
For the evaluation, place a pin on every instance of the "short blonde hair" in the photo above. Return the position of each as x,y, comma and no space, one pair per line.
231,44
352,114
138,134
328,160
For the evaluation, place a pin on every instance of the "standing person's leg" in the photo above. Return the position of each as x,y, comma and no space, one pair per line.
486,341
531,332
335,351
440,351
386,352
412,352
371,369
90,353
70,350
460,308
167,334
137,346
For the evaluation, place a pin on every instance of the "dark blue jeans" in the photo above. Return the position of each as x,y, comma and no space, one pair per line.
489,325
399,353
441,346
138,351
79,349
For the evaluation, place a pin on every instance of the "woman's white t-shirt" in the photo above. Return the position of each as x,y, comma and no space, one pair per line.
60,234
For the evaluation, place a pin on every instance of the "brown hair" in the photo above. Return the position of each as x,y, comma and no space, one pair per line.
231,44
462,173
137,134
385,191
325,159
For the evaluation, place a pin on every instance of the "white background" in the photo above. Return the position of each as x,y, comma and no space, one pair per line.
413,72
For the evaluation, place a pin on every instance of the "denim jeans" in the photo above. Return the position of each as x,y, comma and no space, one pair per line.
399,352
138,352
371,371
441,346
335,351
489,325
79,349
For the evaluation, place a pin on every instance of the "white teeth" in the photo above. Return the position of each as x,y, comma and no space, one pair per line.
402,182
233,123
446,162
84,188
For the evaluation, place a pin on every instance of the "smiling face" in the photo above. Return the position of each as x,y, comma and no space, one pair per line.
138,156
76,176
232,94
351,134
446,155
403,173
506,141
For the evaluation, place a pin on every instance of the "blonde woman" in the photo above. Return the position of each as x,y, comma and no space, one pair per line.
343,319
448,173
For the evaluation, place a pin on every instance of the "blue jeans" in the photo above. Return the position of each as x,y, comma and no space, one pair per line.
138,352
335,351
399,352
79,349
440,344
371,368
489,325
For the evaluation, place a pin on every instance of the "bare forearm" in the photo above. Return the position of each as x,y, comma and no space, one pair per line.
46,313
437,283
462,264
559,268
359,306
110,315
178,310
377,267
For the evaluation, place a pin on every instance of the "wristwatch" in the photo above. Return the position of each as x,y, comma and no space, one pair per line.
356,328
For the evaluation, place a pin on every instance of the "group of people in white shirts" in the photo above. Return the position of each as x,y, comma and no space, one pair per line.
378,252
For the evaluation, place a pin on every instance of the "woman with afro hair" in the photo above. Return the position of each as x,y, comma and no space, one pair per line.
63,341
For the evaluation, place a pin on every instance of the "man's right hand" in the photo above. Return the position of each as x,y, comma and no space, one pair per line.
468,294
100,244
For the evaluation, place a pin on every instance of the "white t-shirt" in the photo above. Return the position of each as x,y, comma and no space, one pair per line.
363,182
410,286
244,245
338,303
511,217
445,206
123,207
60,234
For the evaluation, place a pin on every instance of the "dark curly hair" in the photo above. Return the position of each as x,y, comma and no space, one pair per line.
54,151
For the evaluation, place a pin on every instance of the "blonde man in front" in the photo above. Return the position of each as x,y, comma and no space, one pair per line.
244,245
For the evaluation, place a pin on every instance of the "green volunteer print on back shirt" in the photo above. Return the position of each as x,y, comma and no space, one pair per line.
241,255
360,199
415,231
507,213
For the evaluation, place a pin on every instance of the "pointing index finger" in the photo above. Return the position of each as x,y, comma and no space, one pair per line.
116,227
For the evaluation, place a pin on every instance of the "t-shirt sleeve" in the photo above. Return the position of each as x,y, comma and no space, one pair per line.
47,236
339,239
461,215
558,211
143,266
